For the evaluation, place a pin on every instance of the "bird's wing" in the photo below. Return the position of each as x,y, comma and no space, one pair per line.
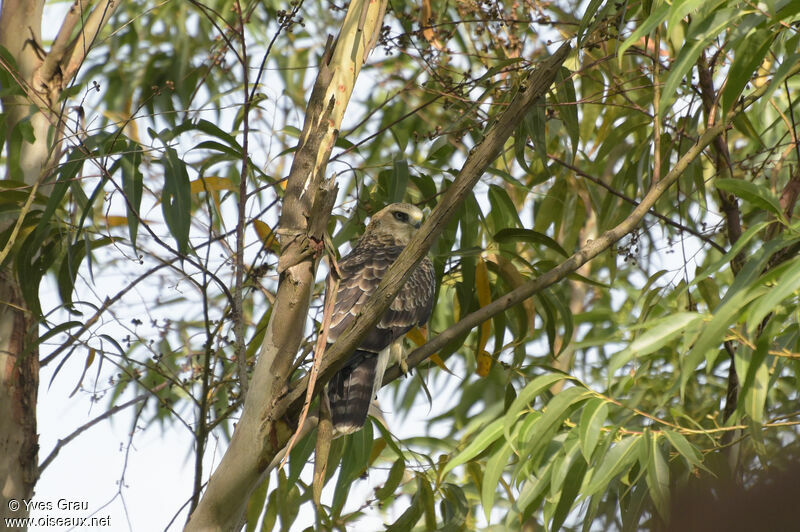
362,271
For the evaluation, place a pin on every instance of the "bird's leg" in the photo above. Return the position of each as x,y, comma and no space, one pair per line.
398,354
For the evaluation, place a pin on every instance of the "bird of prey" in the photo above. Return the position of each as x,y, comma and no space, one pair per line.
352,388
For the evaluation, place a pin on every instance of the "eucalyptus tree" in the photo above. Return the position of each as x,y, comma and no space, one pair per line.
611,191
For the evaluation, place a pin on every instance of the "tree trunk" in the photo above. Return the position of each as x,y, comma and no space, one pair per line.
260,435
19,382
20,34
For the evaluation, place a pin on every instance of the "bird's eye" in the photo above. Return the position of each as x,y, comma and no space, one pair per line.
401,216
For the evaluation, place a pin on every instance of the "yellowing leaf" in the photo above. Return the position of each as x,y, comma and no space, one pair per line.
484,364
116,221
426,22
211,184
436,359
266,235
418,335
377,447
513,277
89,361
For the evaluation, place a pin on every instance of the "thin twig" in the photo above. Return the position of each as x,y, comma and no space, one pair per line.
238,314
632,201
319,351
83,428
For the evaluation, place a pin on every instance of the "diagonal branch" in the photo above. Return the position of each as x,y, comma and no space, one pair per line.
534,87
87,36
583,255
307,204
60,46
105,415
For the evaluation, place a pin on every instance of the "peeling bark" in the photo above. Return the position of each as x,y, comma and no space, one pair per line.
261,434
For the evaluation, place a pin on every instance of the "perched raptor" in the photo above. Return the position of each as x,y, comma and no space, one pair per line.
352,388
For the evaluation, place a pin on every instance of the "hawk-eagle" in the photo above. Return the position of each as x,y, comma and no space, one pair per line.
351,390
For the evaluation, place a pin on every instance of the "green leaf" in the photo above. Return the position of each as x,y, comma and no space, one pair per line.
713,334
621,455
758,195
568,452
355,459
392,481
592,419
525,397
740,244
503,213
408,518
569,493
454,507
176,200
656,17
132,187
425,493
786,286
536,122
299,456
271,513
658,476
568,110
491,478
514,234
776,81
214,130
389,439
555,412
702,32
747,57
477,444
213,145
709,291
755,384
688,451
399,183
586,19
530,494
255,504
661,331
68,271
520,147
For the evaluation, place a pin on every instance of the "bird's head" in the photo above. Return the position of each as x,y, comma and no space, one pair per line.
399,219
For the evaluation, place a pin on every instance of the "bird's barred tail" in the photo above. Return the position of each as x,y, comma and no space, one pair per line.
350,393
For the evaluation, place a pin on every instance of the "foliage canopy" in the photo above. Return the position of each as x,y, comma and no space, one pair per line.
664,364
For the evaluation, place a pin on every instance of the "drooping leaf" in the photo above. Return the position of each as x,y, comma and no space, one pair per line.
132,186
176,200
621,455
592,419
